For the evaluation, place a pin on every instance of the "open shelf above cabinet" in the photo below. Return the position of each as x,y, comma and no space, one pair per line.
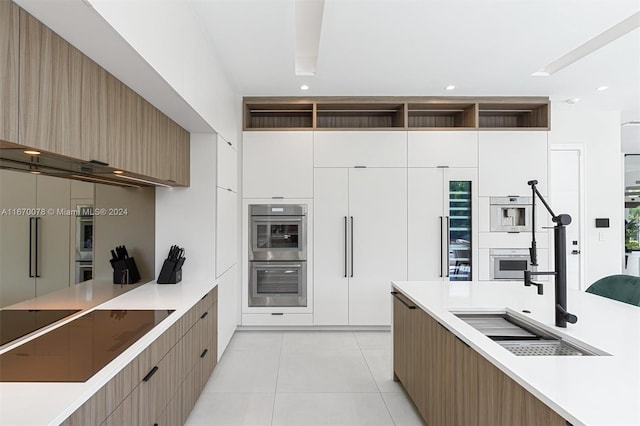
523,115
441,115
396,113
359,116
278,116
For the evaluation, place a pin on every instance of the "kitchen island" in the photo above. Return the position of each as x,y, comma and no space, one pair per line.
583,390
172,350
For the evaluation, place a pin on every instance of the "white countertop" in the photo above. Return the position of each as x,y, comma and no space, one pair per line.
51,403
587,390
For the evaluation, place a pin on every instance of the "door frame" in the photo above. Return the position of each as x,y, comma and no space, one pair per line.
581,149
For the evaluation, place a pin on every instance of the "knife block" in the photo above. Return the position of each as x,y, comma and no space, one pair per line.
125,271
171,273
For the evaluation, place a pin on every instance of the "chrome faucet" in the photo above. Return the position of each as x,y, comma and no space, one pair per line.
560,259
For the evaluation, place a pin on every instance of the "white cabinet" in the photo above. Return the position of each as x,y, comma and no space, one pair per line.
227,170
34,235
452,149
277,164
228,312
226,230
507,160
360,243
442,228
360,148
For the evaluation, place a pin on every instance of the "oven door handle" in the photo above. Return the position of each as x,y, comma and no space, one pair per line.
272,219
278,265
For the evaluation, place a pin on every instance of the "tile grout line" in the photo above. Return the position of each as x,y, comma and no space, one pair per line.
275,392
374,379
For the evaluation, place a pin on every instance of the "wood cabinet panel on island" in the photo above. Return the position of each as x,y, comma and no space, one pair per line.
452,384
9,57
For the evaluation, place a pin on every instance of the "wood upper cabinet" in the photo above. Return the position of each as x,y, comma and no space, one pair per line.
50,108
9,48
94,125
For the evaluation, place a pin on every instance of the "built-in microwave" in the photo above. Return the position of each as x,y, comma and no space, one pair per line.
508,264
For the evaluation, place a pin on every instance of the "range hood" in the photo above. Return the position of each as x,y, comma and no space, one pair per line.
24,159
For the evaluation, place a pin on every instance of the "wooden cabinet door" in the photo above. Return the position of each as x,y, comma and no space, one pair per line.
93,119
9,48
50,90
378,206
330,247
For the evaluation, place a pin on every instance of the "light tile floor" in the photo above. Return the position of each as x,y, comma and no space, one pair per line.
305,378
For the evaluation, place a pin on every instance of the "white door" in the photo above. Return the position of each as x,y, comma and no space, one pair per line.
330,233
426,224
442,224
565,166
378,206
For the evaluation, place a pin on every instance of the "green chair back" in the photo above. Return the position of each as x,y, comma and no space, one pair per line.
623,288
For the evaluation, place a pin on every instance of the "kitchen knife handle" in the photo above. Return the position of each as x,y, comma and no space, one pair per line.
345,246
351,246
31,247
441,249
37,248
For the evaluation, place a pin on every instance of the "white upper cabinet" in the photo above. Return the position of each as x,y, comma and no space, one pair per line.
452,149
507,160
360,148
277,164
227,165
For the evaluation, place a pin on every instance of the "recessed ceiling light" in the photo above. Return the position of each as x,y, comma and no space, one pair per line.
450,87
304,87
118,172
31,152
601,88
572,101
540,74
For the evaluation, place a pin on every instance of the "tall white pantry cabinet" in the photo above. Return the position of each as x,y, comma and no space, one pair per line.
377,197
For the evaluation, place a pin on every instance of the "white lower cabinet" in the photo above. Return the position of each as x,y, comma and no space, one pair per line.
442,228
360,234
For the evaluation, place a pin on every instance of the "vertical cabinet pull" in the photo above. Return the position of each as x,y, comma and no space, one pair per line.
31,247
37,220
345,247
447,239
441,240
352,246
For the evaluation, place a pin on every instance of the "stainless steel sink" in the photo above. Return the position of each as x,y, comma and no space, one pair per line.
521,337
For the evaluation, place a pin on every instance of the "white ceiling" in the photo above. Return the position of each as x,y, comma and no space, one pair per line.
417,47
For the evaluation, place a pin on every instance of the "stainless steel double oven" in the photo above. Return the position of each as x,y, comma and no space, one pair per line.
277,255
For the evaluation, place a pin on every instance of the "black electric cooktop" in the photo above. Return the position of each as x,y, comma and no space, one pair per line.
15,323
77,350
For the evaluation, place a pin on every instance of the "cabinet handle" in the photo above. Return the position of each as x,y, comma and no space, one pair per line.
345,246
31,247
447,239
351,246
203,316
204,297
229,189
150,374
277,198
441,239
204,353
37,247
395,294
463,342
100,163
229,143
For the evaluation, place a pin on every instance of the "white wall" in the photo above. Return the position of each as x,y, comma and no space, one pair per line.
599,132
168,35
